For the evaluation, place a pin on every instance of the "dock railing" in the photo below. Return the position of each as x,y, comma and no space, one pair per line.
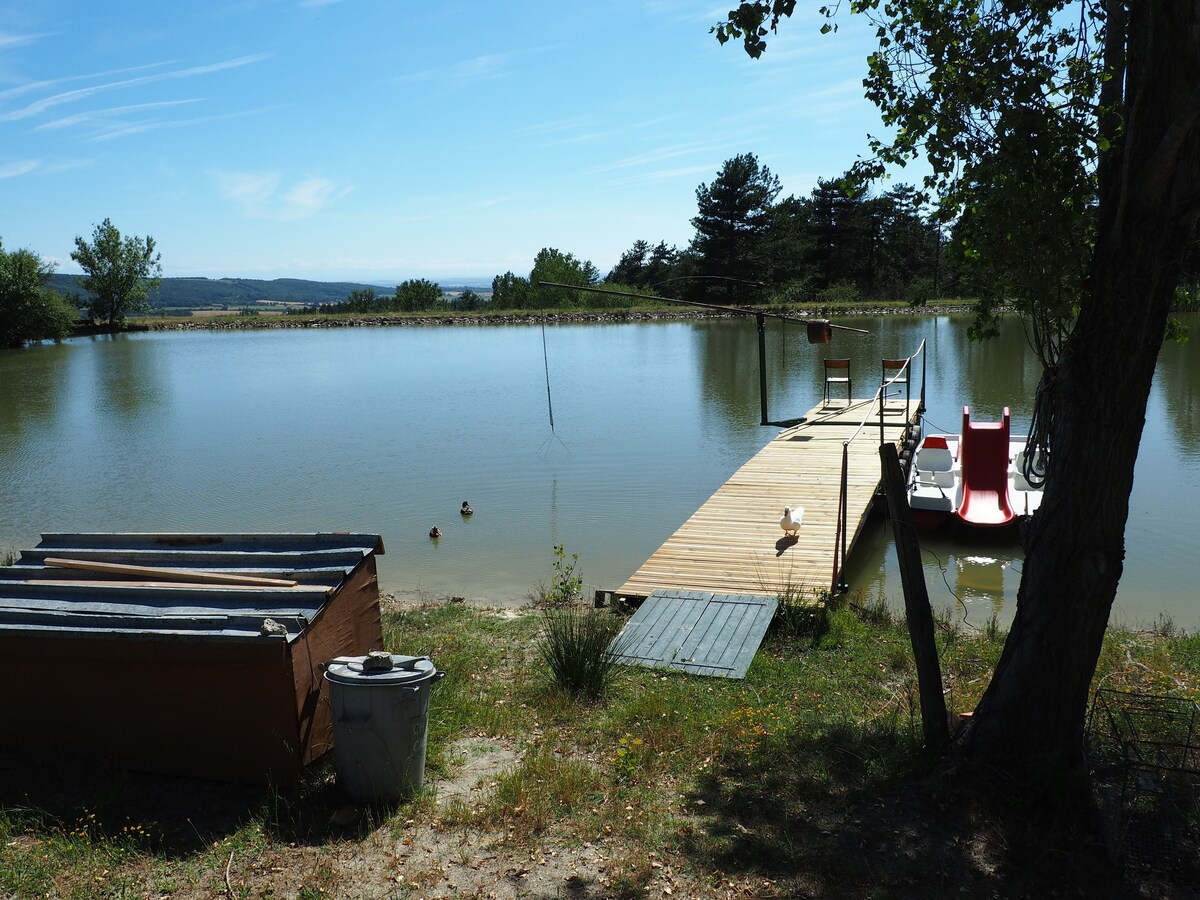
903,374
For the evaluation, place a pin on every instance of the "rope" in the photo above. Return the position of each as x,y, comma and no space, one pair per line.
1037,445
546,364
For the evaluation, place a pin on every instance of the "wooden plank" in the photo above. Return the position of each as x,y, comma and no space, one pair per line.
193,575
160,585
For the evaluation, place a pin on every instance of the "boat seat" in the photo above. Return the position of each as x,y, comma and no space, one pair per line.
935,459
935,464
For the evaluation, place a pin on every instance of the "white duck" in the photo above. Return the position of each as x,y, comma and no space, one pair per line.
791,520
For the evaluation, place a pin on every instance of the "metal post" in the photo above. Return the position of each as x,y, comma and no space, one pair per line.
762,366
921,408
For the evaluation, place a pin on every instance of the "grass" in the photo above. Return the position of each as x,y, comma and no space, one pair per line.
806,778
574,645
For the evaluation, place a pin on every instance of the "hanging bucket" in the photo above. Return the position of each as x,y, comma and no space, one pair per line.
819,331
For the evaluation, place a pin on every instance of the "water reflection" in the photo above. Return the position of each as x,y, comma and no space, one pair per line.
32,382
128,374
1177,378
388,429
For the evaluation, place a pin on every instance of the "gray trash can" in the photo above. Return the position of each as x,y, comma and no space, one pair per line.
380,717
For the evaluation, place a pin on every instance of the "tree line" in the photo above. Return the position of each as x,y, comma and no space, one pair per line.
840,243
414,295
119,273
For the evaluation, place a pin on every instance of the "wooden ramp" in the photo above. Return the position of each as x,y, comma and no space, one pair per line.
696,632
733,544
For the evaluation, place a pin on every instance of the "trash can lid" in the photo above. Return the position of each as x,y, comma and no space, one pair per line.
367,669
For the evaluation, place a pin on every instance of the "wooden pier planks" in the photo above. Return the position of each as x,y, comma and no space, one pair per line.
733,544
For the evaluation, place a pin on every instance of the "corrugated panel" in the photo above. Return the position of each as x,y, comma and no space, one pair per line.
37,597
696,631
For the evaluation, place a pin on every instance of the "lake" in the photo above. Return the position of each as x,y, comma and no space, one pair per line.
389,429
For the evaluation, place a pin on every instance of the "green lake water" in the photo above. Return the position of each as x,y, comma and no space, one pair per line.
388,430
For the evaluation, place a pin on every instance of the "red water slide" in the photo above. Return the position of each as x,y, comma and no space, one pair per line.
983,455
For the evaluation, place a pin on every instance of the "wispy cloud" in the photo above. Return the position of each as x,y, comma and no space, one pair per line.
46,103
491,65
46,84
689,172
662,154
556,126
18,167
309,197
8,40
107,115
263,195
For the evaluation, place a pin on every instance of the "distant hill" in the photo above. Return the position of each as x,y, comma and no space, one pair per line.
201,293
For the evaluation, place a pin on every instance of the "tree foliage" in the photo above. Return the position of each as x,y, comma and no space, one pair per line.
1064,140
119,272
511,291
561,268
840,242
733,214
29,309
417,295
643,266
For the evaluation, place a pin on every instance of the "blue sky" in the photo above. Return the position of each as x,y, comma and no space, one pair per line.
379,140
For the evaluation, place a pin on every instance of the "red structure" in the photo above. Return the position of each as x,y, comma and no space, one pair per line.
983,455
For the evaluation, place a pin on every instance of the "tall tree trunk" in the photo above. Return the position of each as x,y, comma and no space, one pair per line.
1035,708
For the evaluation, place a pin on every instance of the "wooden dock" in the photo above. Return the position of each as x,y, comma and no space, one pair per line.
733,544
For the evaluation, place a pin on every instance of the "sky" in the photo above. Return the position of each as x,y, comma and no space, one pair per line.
381,140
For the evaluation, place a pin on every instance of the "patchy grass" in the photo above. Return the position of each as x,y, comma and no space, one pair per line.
807,778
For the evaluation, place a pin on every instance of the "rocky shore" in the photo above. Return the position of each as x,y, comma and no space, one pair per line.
233,322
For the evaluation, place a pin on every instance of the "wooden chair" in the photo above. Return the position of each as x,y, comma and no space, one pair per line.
837,372
895,368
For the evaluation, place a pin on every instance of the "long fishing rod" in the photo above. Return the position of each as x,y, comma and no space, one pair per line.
739,310
819,331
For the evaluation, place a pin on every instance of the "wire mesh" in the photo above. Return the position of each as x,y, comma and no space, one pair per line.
1144,755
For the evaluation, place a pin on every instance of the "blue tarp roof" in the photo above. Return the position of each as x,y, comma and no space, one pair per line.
83,601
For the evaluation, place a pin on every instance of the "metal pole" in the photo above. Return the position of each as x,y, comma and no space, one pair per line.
923,356
762,367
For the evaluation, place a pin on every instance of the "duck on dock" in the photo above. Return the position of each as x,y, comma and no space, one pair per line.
466,510
791,521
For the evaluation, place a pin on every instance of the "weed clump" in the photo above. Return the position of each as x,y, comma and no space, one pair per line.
575,645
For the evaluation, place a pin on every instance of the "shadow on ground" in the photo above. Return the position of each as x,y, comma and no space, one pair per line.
183,815
816,816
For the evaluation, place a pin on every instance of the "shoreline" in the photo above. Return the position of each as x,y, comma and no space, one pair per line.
523,317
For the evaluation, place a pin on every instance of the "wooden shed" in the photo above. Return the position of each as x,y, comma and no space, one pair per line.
193,654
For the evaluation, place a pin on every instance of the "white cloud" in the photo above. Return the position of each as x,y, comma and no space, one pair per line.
104,115
40,106
491,65
262,195
18,168
8,40
309,197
